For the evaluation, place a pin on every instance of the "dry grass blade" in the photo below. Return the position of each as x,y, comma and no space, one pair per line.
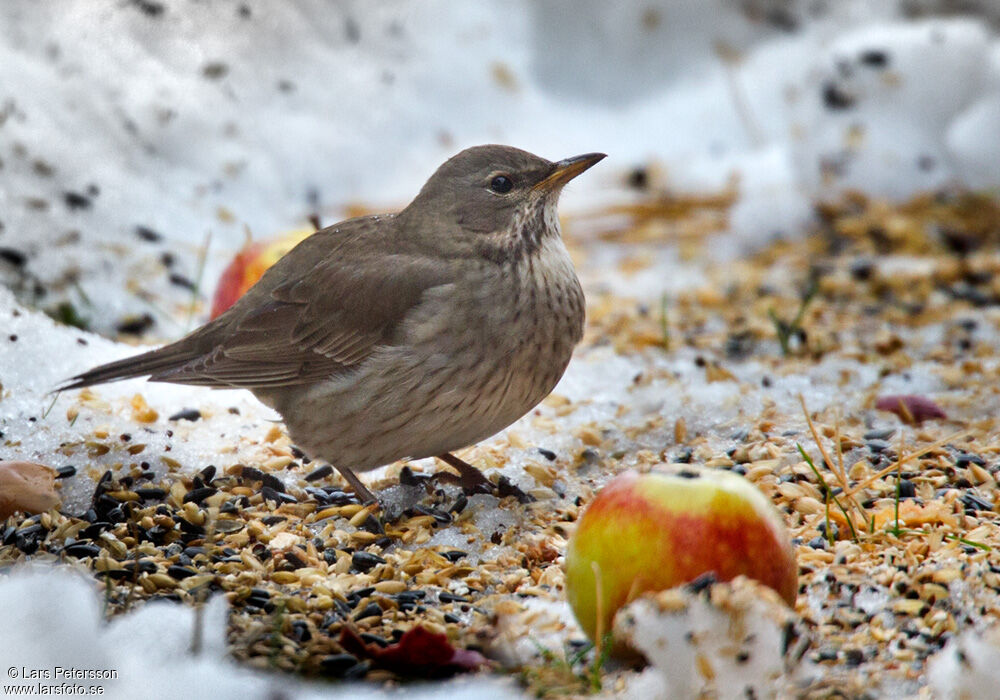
865,483
841,474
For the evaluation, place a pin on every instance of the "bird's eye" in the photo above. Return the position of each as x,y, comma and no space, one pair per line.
501,184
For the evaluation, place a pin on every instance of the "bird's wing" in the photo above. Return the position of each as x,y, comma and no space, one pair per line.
320,311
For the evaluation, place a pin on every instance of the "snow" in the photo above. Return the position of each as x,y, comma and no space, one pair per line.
735,642
967,666
203,120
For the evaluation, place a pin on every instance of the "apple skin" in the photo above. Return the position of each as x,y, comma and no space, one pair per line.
654,531
249,265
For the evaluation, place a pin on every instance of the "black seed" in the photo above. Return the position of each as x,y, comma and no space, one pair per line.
460,503
907,489
75,200
877,446
853,657
116,574
66,472
81,550
446,597
254,601
974,502
148,234
338,497
150,8
272,482
685,474
964,459
28,538
191,414
454,619
374,639
103,484
817,543
300,631
438,515
836,98
190,528
94,530
319,473
318,494
638,178
294,559
372,525
703,582
875,58
215,70
179,280
370,610
151,494
273,520
270,494
13,256
199,495
454,555
547,454
144,566
862,270
135,325
337,664
365,561
252,474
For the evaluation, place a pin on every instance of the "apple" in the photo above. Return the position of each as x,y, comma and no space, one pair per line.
655,531
249,265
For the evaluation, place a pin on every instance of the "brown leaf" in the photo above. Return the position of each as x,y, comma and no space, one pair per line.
417,653
910,408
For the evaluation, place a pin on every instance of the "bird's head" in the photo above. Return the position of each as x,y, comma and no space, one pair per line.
498,200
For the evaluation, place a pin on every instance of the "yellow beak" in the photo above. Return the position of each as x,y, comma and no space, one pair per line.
566,170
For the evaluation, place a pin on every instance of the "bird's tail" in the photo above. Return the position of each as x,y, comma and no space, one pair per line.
152,362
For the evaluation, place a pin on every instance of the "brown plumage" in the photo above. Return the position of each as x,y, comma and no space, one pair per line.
402,336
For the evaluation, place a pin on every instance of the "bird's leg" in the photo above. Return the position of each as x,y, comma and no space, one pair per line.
360,490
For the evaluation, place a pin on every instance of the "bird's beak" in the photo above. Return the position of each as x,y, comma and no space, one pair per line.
566,170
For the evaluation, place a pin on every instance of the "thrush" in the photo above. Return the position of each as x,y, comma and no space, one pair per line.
403,336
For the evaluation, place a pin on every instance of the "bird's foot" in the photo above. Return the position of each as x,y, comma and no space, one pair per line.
473,481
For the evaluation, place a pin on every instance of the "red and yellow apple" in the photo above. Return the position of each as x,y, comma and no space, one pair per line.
654,531
249,265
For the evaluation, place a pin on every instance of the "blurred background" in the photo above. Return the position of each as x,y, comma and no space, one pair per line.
143,141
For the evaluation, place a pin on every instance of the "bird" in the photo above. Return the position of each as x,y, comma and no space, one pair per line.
403,336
